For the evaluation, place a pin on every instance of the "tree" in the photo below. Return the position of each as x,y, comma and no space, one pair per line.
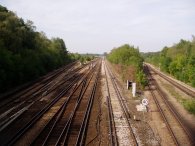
130,60
24,53
178,60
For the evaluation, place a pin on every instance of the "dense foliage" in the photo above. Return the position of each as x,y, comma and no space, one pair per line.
129,57
26,54
83,58
178,60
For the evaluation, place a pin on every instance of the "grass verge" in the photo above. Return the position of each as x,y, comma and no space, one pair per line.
188,104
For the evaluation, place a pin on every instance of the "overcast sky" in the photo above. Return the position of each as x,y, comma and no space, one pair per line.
97,26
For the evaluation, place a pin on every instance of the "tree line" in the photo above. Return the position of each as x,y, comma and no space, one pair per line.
132,63
26,54
177,60
83,58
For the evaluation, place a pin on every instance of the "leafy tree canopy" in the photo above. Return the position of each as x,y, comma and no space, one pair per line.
178,60
26,54
129,57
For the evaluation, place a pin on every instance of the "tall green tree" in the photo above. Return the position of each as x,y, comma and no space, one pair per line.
129,56
178,60
26,54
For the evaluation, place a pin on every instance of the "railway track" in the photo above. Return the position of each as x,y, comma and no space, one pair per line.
121,131
58,131
179,132
34,86
40,88
183,88
112,129
17,131
18,108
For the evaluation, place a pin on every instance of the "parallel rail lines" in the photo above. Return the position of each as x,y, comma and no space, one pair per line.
178,131
33,93
81,137
176,84
112,129
59,129
22,127
42,88
35,118
35,86
58,119
124,111
14,112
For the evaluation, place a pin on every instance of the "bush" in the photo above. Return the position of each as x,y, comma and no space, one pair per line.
189,105
129,57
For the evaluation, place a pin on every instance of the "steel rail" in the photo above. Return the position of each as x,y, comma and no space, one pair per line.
56,117
62,109
36,93
162,112
81,136
31,97
179,86
174,113
112,128
42,80
123,106
21,131
64,136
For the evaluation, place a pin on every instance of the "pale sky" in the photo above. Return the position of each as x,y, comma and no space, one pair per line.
97,26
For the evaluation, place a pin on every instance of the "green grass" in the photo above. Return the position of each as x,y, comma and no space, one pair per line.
188,104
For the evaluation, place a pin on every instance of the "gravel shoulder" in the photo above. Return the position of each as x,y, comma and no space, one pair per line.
145,134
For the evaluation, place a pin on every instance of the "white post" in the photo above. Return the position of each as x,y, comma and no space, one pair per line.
133,89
